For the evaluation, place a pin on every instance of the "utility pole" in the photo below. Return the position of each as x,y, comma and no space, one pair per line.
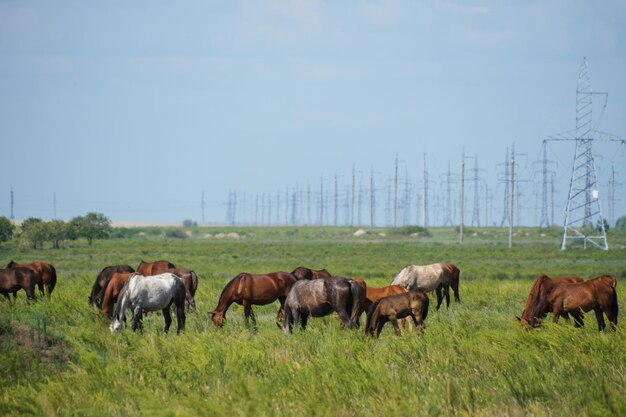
353,197
511,197
395,195
425,195
372,198
506,189
462,197
447,221
476,210
543,221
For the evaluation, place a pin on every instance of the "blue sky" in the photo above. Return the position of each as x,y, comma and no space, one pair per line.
133,109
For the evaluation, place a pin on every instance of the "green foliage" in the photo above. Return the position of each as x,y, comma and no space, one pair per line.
92,226
189,223
175,234
410,230
6,229
472,360
621,223
34,231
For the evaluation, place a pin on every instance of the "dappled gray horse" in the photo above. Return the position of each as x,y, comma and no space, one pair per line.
428,278
143,294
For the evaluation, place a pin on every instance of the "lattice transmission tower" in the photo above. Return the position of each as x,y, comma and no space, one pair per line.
584,221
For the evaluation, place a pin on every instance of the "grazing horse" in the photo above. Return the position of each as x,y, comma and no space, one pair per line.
597,294
154,268
412,304
318,298
99,287
190,280
248,289
113,290
157,292
541,286
373,294
306,273
14,279
46,272
431,277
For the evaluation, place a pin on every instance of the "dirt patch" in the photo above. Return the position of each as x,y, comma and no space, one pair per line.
35,343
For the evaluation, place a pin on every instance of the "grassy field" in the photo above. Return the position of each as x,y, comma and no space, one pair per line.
57,357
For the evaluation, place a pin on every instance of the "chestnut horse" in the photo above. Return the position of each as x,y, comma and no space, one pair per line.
154,268
248,290
597,294
14,279
100,286
190,281
373,294
430,278
46,273
412,304
112,292
541,286
306,273
319,298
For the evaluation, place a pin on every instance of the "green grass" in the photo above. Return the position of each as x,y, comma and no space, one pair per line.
58,357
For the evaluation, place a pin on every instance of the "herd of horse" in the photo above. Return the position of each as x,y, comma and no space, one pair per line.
304,293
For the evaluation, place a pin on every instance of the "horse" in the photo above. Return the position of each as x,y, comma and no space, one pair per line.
99,287
373,294
412,304
46,272
431,277
318,298
248,289
157,292
190,280
306,273
541,286
154,268
597,294
14,279
113,290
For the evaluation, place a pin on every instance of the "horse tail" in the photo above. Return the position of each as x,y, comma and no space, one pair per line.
355,290
288,320
194,283
614,305
454,282
96,292
53,279
425,307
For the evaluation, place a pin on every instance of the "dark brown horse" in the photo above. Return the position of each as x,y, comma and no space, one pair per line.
46,273
306,273
598,294
248,290
14,279
541,286
190,281
318,298
412,304
99,287
113,289
373,294
453,282
154,268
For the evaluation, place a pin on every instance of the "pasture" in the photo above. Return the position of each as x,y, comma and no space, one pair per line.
58,357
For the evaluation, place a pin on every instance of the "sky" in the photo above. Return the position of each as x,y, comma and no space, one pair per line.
135,109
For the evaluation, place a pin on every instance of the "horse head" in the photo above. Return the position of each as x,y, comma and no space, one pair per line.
11,264
117,325
218,318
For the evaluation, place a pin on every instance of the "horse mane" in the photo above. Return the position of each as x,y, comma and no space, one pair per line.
544,297
534,296
227,286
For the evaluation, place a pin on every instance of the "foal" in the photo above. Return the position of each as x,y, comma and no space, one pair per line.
412,304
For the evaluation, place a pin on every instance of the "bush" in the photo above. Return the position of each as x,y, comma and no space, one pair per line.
189,223
621,223
6,229
175,234
409,230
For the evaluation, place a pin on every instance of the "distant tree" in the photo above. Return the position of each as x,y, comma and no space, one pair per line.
58,231
599,225
621,223
190,223
34,230
6,229
92,226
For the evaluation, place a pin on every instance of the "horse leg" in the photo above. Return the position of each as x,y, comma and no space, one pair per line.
600,318
379,326
295,319
446,292
280,314
345,318
394,321
137,324
40,286
303,320
578,319
168,318
439,296
248,313
180,317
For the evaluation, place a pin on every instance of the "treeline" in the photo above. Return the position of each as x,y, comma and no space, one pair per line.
36,232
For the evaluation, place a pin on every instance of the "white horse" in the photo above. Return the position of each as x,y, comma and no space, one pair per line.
431,277
152,293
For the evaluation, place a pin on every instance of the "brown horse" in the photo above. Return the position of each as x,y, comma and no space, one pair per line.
306,273
154,268
373,294
14,279
190,281
597,294
412,304
248,290
99,287
113,289
317,298
542,285
46,273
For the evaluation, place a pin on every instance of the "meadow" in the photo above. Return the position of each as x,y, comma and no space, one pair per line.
58,357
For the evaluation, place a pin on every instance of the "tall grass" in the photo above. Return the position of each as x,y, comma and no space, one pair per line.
472,360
